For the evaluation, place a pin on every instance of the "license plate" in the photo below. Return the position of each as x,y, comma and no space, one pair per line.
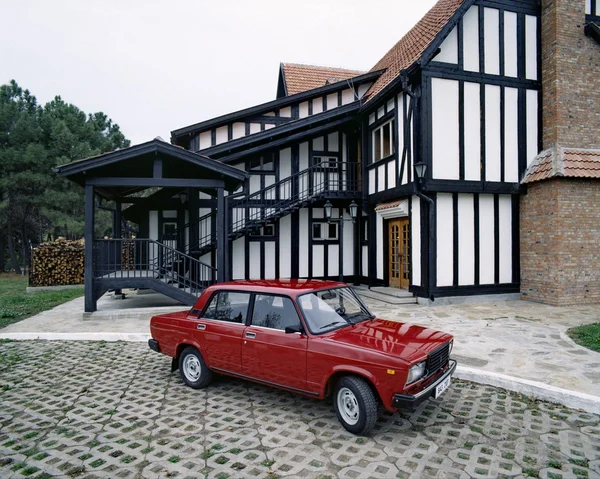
440,388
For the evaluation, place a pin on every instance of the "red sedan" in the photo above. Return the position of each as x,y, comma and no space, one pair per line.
315,338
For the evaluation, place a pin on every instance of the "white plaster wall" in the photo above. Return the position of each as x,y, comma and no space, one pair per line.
347,96
348,246
466,240
317,105
303,152
333,142
381,178
333,260
511,135
471,39
238,130
380,240
285,247
445,129
365,261
204,139
254,128
486,239
318,143
492,133
318,260
472,132
255,260
170,214
238,260
445,239
286,112
380,112
415,238
153,225
363,89
254,183
269,259
505,238
510,44
531,47
303,109
449,49
332,101
392,174
532,125
491,25
372,181
303,243
221,134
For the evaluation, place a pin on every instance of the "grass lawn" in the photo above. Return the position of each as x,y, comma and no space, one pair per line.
587,336
16,304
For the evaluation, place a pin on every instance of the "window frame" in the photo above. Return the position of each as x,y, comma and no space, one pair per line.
378,147
215,294
328,230
255,294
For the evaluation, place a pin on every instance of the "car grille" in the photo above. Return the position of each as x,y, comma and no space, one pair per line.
438,358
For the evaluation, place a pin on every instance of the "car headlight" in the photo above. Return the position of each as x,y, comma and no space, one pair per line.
416,372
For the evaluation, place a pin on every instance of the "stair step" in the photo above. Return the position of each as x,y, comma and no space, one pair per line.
385,298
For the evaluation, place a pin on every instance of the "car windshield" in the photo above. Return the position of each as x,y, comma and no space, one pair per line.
332,308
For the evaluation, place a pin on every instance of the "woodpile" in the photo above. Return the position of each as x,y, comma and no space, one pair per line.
58,263
127,255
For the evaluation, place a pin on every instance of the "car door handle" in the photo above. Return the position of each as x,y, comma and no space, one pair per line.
250,335
201,327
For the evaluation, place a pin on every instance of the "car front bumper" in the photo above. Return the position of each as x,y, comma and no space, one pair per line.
412,401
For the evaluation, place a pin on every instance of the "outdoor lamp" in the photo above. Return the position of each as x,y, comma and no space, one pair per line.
328,206
420,169
183,197
353,210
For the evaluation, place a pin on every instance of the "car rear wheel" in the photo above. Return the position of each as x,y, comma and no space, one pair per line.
355,405
193,369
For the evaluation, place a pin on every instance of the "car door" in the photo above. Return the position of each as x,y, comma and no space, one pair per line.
220,330
268,352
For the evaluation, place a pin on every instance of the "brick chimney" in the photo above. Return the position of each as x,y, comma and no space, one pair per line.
570,77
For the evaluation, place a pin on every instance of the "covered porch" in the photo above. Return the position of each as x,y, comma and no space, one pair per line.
153,176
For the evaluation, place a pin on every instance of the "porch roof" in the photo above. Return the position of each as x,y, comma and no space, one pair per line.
137,164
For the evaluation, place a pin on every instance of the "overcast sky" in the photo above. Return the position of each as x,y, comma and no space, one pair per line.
154,66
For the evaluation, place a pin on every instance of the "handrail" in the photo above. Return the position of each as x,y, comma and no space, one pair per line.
146,258
316,181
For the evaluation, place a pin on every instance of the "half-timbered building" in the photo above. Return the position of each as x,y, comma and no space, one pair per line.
407,175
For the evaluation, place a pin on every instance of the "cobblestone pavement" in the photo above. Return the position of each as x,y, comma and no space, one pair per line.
96,409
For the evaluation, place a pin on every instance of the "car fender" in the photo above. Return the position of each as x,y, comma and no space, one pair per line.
348,369
182,345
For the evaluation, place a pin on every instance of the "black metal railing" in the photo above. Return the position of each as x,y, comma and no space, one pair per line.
146,258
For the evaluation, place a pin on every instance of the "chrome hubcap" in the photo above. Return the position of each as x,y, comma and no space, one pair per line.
348,406
192,367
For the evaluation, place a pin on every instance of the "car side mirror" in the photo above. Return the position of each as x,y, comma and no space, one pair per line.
294,329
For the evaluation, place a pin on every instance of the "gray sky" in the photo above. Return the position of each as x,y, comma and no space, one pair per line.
154,66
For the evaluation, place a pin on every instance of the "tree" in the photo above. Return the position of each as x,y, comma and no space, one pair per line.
34,201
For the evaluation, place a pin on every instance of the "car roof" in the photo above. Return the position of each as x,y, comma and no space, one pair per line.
290,287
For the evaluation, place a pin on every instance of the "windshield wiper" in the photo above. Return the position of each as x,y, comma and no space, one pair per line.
332,324
362,316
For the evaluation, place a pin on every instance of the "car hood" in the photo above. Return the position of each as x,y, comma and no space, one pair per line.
406,341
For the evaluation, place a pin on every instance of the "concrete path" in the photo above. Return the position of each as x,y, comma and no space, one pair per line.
518,345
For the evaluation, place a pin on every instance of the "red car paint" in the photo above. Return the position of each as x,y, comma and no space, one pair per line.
380,351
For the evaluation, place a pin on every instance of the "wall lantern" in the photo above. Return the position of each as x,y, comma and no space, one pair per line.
420,169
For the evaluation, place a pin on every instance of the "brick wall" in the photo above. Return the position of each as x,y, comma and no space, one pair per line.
560,242
570,77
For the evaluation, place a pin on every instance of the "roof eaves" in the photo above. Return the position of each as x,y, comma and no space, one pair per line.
283,129
279,103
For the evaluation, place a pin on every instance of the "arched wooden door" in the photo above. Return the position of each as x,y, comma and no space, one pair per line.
398,252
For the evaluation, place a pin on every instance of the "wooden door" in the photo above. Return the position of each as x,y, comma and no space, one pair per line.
398,252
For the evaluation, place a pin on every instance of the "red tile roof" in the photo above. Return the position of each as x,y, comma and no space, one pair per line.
412,45
387,206
299,78
565,162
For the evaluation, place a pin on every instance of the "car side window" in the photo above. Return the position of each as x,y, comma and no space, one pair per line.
228,306
275,312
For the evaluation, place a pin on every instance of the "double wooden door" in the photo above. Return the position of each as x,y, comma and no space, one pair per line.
398,252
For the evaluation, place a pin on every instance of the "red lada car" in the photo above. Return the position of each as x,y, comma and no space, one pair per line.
315,338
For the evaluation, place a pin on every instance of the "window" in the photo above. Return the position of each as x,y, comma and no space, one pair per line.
266,230
329,163
228,306
383,140
275,312
263,163
325,231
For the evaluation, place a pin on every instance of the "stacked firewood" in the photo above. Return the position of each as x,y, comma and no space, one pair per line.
127,255
58,263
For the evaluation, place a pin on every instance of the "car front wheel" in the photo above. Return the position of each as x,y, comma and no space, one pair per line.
355,405
193,369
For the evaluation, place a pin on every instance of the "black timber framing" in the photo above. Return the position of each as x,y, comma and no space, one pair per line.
292,101
88,275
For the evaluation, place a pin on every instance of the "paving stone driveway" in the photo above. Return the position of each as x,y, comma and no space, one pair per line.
94,409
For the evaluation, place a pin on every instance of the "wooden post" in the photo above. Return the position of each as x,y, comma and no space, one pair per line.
90,299
222,245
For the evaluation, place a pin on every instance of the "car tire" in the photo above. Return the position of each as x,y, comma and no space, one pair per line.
355,405
193,369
